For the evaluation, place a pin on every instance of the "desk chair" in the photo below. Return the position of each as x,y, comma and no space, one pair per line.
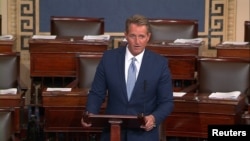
0,24
223,75
76,26
10,78
6,125
10,71
87,63
171,29
247,31
85,69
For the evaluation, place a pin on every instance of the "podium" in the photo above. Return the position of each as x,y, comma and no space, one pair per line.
115,122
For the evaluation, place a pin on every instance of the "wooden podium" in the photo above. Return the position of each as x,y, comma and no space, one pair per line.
115,122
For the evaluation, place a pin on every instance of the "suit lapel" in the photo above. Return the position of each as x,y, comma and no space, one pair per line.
142,73
121,67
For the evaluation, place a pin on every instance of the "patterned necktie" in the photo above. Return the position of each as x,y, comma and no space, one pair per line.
131,77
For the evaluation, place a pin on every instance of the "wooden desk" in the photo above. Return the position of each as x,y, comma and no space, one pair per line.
12,102
7,45
181,60
63,112
173,49
53,61
238,51
57,57
192,114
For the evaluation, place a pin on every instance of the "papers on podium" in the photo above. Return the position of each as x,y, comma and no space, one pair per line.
189,41
8,91
96,37
225,95
59,89
43,36
179,94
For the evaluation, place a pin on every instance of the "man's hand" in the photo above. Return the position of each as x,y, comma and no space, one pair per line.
85,117
149,123
85,124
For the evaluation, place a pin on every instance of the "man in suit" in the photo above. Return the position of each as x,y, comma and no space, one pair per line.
151,94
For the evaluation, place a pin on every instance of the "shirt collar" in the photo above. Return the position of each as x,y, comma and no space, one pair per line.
128,55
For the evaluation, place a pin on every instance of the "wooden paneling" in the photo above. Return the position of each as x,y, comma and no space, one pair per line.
7,45
235,51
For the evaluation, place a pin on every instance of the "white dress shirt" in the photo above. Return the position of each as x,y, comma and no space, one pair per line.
128,59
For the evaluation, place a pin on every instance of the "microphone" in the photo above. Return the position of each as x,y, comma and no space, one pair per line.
145,86
144,93
144,101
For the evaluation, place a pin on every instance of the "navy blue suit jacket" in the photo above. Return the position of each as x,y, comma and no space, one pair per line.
152,92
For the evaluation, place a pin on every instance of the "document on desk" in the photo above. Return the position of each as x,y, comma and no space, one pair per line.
43,36
59,89
6,37
234,43
225,95
189,41
96,37
179,94
8,91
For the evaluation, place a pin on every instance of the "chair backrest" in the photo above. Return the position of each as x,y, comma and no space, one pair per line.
10,70
247,31
86,68
171,29
223,75
0,24
76,26
6,126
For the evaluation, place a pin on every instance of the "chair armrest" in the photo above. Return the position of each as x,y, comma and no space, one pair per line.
191,88
73,84
21,87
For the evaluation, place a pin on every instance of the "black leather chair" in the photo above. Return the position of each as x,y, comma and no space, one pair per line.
171,29
6,125
10,78
76,26
10,70
223,75
86,67
0,24
247,31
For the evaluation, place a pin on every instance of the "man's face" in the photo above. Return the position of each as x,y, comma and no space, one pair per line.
137,37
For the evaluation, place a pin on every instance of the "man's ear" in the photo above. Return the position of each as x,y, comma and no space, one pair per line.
125,35
149,36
